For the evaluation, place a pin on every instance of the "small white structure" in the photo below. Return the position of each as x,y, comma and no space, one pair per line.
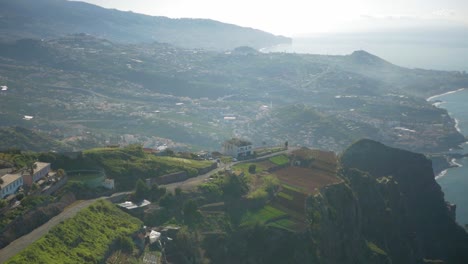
4,88
27,117
11,183
130,205
108,184
237,148
154,236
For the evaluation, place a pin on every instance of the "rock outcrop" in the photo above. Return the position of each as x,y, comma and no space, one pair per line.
390,209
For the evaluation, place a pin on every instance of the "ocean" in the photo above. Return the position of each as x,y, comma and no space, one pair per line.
411,54
454,181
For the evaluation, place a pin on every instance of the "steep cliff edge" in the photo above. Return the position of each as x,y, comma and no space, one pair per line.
389,210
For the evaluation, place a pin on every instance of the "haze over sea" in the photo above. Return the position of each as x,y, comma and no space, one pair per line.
426,52
454,181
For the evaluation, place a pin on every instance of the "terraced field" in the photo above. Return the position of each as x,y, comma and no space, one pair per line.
308,180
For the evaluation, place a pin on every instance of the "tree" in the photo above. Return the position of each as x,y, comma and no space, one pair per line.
60,172
185,248
141,191
169,152
178,191
156,192
125,244
31,165
286,144
191,213
234,188
252,168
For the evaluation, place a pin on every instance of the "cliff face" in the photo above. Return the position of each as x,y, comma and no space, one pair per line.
389,210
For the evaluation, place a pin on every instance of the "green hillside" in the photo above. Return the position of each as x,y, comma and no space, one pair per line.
54,18
25,139
85,238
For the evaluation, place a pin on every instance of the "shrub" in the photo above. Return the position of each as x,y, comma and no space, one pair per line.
252,168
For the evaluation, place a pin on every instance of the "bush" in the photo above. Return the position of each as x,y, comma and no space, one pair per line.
125,244
252,168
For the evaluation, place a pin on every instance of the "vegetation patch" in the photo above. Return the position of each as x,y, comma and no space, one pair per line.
85,238
286,224
285,196
264,215
280,160
266,151
127,165
374,248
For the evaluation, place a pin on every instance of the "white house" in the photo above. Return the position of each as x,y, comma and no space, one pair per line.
108,184
11,183
237,148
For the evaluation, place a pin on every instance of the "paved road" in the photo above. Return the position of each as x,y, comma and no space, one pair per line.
21,243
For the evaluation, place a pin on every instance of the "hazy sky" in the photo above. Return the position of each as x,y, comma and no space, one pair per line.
298,17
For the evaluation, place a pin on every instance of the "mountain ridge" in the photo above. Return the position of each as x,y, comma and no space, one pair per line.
54,18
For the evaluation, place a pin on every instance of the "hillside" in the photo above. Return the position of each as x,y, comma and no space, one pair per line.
85,238
25,139
89,90
127,164
372,204
54,18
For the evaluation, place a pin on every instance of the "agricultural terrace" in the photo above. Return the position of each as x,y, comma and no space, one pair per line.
310,170
307,180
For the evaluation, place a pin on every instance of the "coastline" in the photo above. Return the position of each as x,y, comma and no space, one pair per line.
450,162
439,103
446,93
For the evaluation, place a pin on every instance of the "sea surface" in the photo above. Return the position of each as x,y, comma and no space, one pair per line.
411,54
454,181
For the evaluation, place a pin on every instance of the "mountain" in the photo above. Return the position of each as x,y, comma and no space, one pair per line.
55,18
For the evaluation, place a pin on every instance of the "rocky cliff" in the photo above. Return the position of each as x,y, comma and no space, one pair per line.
389,210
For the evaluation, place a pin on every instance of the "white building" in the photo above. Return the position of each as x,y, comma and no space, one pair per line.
108,184
11,183
154,236
237,148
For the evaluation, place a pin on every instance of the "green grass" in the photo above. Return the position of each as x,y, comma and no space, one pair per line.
286,224
82,177
84,238
279,160
285,196
263,215
130,163
291,188
172,161
244,167
374,248
265,151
